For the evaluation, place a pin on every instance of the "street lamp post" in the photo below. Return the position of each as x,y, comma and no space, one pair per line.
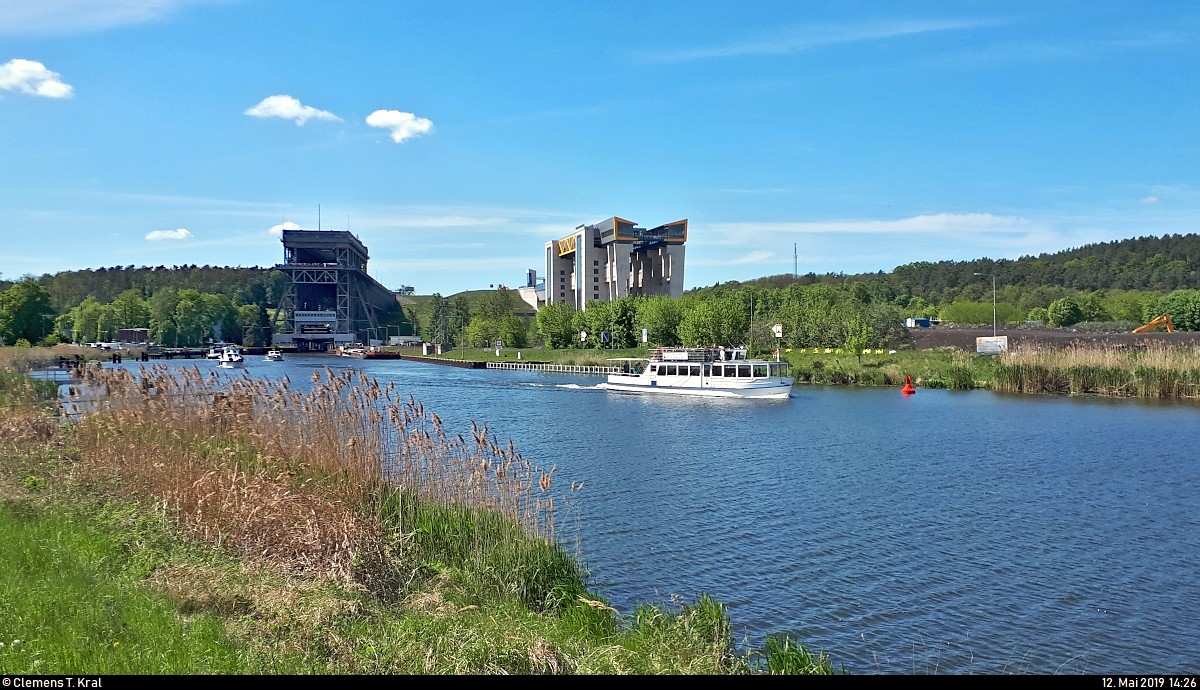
993,302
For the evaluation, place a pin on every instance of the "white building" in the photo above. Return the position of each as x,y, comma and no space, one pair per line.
612,259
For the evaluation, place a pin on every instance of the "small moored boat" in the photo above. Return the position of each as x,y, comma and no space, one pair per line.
231,358
274,356
722,372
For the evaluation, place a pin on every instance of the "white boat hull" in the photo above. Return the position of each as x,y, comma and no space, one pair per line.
231,365
780,390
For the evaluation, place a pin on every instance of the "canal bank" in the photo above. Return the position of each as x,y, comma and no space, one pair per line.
957,530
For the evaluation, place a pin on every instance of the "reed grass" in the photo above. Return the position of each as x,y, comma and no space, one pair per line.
26,359
1155,372
335,529
339,480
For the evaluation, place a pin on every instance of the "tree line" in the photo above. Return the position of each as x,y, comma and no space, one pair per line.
172,317
242,285
820,315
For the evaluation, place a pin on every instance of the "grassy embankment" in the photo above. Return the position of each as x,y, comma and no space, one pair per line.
180,532
1151,372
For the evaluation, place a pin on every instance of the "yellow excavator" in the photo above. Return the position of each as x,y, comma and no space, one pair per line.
1164,320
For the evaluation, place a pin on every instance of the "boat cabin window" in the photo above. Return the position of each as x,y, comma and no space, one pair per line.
743,371
779,368
696,370
671,370
653,370
708,370
760,371
717,370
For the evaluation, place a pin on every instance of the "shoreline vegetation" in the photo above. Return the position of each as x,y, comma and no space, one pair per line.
200,524
1153,371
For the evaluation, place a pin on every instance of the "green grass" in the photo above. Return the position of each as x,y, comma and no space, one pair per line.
943,368
103,589
70,603
485,555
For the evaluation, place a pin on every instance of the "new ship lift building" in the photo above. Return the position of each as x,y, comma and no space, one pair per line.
329,298
615,258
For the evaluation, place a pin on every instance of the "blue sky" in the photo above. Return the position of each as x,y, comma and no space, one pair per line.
457,140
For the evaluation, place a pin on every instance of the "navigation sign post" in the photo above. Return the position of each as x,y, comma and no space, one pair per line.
499,347
645,335
777,329
583,336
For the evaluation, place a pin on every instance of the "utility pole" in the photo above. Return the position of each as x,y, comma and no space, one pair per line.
795,262
993,302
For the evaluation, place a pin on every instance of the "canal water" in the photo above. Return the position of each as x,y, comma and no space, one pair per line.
947,532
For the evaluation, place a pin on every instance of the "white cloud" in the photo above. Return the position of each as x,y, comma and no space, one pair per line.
33,78
756,257
70,16
403,125
179,234
278,229
802,37
955,224
1150,200
288,108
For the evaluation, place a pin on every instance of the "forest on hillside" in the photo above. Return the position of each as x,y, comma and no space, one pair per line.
1153,264
253,285
1121,283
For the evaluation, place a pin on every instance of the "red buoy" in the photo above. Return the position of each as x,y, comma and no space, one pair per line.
908,387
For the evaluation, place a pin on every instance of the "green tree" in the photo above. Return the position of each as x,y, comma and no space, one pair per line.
858,335
623,317
249,320
1183,306
593,320
482,333
513,331
660,316
460,311
1063,312
22,308
86,319
714,322
163,328
555,325
129,310
1091,306
495,305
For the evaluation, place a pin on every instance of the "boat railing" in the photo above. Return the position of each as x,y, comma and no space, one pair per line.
586,369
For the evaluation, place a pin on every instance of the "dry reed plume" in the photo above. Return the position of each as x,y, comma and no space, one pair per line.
1154,372
290,476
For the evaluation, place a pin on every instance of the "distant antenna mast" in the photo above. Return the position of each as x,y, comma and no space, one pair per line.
318,217
795,262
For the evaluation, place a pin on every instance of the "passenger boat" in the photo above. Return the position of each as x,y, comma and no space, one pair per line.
274,356
214,352
231,358
721,372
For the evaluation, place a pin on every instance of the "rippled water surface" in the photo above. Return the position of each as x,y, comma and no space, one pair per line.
946,532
